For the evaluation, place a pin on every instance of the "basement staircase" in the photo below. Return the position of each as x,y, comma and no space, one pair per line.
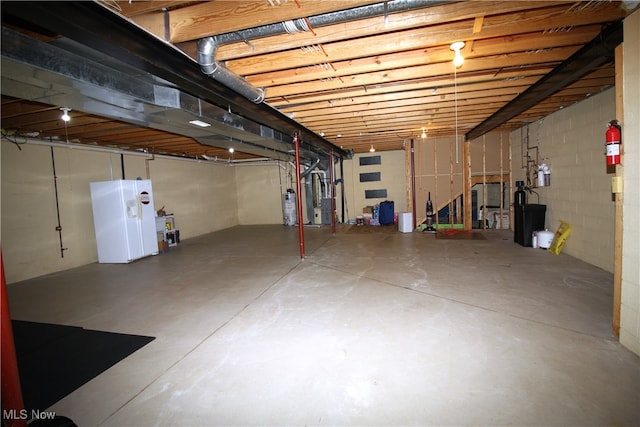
450,214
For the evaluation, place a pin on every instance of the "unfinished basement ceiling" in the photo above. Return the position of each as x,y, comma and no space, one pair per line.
376,74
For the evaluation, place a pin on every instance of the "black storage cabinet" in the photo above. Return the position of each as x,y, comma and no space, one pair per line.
528,218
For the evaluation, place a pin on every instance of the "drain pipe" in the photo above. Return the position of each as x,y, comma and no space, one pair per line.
55,189
207,47
146,164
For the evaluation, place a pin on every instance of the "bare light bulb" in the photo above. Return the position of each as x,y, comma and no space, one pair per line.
372,150
458,59
65,114
424,133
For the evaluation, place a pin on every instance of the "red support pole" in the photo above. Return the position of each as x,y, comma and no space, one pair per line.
13,412
413,184
296,143
332,195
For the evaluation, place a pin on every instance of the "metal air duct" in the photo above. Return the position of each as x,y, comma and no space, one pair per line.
215,70
208,46
102,36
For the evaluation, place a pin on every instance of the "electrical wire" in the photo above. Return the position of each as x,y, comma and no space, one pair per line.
13,139
455,107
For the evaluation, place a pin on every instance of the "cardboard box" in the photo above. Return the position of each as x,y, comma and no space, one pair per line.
367,210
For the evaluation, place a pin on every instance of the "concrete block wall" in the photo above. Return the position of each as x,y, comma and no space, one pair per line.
571,141
260,191
393,179
30,242
630,308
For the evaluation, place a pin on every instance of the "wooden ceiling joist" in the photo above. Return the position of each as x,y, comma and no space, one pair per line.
373,80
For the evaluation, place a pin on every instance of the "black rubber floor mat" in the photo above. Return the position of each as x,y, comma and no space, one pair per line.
55,360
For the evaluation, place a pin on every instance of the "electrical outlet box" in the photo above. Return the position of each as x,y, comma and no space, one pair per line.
616,184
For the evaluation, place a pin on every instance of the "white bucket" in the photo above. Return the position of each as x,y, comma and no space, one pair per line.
545,238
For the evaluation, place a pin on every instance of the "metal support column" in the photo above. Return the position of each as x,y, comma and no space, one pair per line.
296,143
413,184
344,196
332,194
12,404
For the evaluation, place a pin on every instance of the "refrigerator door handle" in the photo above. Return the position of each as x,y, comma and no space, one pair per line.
133,207
139,208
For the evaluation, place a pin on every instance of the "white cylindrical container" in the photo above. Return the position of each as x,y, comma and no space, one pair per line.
534,240
545,238
289,208
540,179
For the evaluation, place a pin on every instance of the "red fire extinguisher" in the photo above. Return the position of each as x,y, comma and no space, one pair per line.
613,142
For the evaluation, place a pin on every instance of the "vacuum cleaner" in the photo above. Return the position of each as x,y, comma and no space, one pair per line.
430,217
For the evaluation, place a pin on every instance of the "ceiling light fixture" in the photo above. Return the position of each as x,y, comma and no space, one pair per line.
231,150
65,114
372,150
200,123
458,59
424,133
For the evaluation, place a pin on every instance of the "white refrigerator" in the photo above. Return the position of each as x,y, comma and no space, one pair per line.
124,220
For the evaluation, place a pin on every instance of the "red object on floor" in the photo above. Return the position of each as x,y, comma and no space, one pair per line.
453,231
13,412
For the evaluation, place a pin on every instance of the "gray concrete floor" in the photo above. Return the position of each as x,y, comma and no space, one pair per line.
372,328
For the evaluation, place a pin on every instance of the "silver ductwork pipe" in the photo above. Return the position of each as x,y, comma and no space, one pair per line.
310,169
206,58
208,46
330,18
